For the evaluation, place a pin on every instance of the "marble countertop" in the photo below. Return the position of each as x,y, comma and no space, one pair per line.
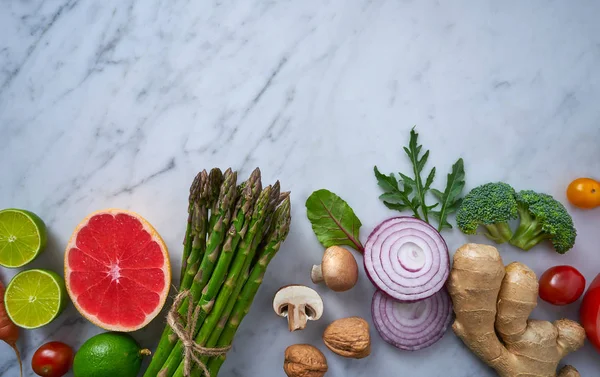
119,103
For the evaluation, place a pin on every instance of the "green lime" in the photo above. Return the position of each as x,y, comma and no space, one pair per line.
22,237
35,298
111,354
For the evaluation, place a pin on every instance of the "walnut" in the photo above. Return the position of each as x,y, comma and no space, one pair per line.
348,337
304,360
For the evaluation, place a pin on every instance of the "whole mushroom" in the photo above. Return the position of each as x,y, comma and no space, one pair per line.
299,304
304,360
338,269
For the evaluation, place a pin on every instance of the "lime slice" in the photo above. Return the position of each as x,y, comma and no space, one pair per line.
22,237
35,298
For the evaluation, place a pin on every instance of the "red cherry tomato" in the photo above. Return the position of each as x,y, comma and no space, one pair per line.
561,285
53,359
589,314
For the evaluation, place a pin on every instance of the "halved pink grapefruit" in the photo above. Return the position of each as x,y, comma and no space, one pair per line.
117,270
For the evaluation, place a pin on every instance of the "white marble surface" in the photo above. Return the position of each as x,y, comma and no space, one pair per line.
119,104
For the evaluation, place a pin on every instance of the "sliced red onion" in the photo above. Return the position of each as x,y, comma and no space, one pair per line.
407,259
412,326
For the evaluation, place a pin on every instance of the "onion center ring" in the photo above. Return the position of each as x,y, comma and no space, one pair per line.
411,256
407,259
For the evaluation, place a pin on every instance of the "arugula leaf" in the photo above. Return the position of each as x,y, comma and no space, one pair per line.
410,192
332,219
450,199
396,195
413,151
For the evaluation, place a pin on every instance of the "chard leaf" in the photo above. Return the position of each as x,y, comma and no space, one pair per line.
332,219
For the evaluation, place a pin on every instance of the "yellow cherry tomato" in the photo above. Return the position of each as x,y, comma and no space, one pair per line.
584,193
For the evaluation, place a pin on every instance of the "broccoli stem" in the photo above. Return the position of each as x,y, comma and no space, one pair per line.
529,233
499,232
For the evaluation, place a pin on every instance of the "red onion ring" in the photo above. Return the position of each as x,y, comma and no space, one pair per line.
412,326
407,259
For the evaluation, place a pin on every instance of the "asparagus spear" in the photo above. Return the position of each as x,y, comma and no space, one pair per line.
223,215
195,189
213,245
273,203
282,220
215,190
283,196
210,194
199,221
199,218
241,263
239,227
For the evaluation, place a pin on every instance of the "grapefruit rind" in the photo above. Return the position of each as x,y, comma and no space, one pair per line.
155,236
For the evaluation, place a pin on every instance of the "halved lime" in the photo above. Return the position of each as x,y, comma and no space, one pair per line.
35,298
22,237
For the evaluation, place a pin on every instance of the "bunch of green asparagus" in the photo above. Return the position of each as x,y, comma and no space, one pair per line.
233,232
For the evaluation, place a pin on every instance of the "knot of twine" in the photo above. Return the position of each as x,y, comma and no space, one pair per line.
185,329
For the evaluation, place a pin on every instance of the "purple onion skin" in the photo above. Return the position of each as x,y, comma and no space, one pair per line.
375,231
429,342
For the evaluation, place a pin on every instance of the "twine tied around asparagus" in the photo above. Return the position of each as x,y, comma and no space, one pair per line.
184,329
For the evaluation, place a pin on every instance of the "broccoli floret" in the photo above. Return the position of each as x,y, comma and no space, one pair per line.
543,218
491,205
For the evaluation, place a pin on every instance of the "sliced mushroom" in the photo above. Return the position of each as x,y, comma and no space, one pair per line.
299,304
338,269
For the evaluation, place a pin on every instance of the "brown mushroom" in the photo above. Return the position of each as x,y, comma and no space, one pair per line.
304,360
338,269
299,304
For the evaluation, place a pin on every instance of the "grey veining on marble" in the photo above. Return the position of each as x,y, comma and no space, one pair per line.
119,103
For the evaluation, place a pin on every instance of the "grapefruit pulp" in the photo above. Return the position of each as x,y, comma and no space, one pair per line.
117,270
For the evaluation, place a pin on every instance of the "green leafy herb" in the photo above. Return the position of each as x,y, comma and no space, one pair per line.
333,221
397,194
450,199
409,193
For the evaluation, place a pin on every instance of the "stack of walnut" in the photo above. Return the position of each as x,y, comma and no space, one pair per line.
347,337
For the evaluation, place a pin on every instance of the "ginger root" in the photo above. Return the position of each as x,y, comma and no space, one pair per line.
492,301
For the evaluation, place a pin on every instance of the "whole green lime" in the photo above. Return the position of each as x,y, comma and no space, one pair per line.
110,354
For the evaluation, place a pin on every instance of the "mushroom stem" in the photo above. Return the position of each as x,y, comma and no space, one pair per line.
316,274
299,304
296,317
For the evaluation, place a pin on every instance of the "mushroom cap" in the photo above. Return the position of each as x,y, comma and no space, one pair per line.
339,269
298,295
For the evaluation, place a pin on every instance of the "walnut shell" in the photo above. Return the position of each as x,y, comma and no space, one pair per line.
348,337
304,360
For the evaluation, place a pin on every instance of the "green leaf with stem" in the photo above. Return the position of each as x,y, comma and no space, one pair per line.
450,199
409,193
333,221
